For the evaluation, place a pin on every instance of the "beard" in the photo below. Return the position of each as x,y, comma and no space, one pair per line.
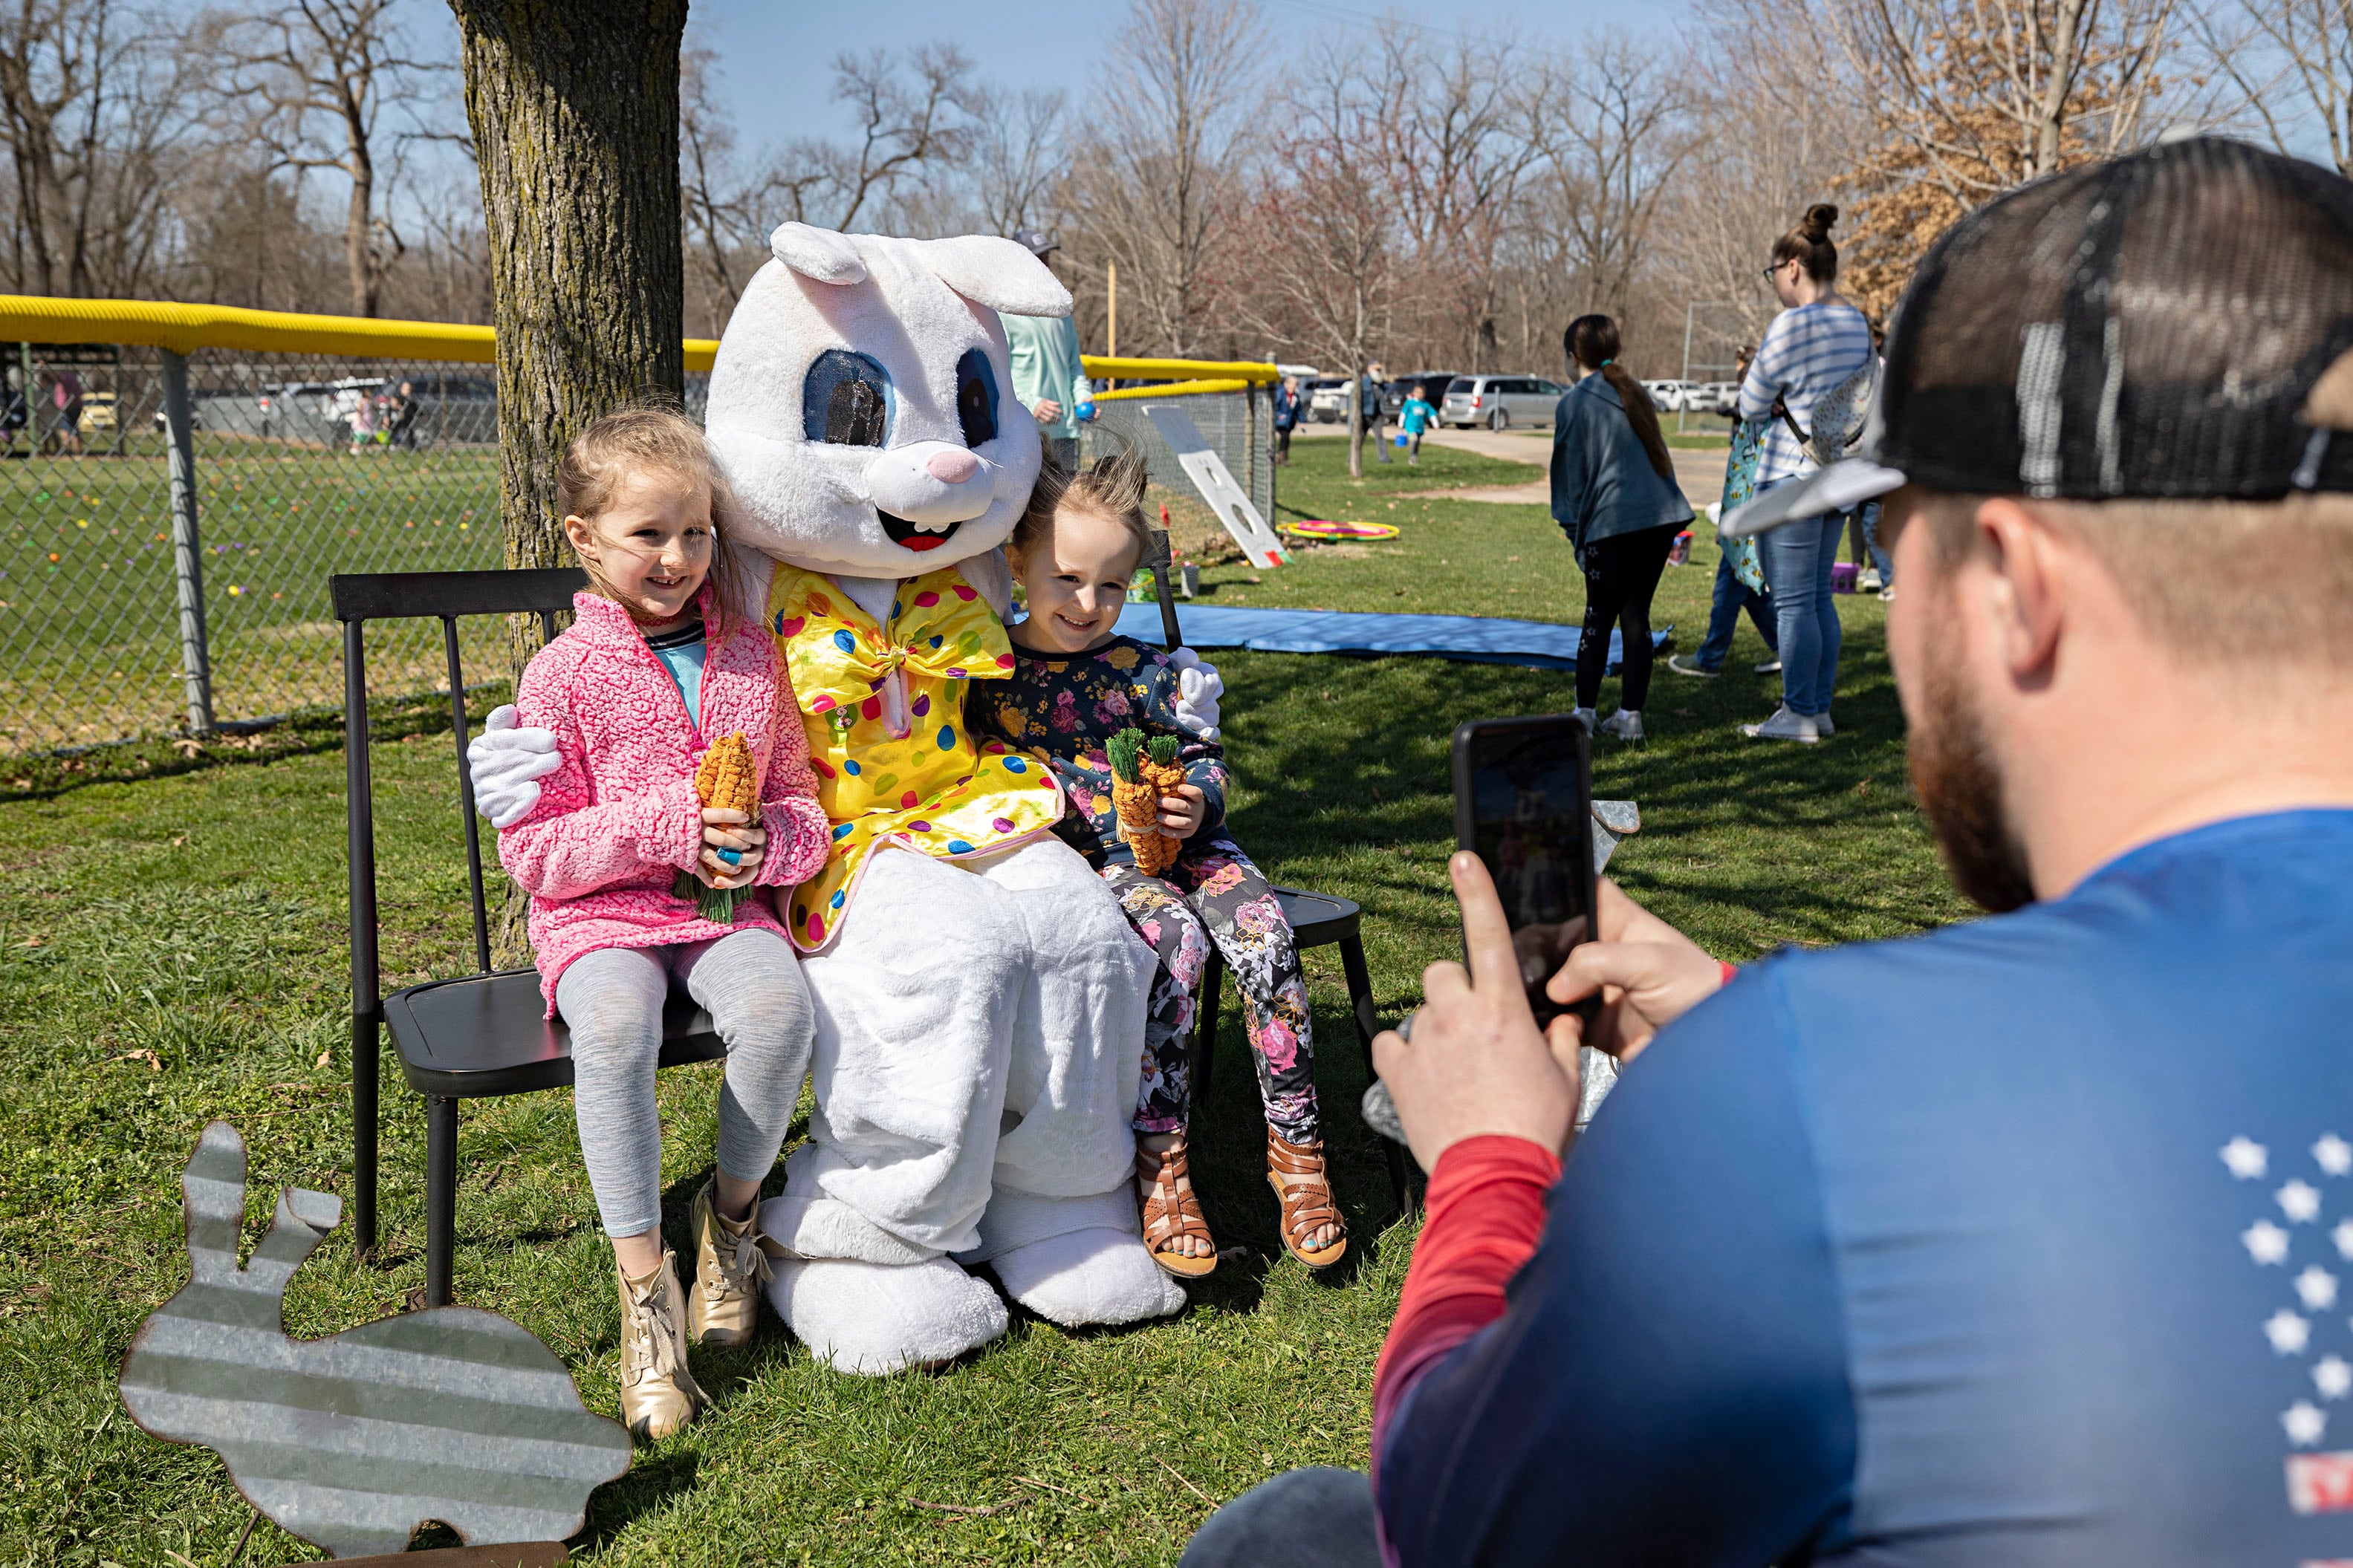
1960,786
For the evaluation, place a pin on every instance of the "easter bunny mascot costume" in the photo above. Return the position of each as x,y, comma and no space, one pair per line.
979,997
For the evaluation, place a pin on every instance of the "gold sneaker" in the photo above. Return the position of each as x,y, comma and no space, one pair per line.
728,1272
659,1394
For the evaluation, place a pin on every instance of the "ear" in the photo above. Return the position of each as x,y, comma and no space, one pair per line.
997,273
2330,405
818,254
2029,588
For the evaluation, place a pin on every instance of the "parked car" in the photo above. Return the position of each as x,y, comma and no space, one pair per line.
1327,400
1716,397
1499,402
1395,393
97,412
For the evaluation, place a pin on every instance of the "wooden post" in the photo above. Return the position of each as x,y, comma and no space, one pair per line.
1111,286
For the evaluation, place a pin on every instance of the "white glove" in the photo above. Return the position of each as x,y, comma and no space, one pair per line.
507,763
1198,686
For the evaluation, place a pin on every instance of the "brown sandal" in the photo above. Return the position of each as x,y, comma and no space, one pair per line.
1169,1210
1295,1171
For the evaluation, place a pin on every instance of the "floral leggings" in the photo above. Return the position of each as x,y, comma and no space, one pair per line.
1213,893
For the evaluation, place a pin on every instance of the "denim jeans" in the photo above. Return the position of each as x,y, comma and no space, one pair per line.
1318,1518
1879,557
1731,596
1798,557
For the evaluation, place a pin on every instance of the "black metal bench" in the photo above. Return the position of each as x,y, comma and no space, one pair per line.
473,1037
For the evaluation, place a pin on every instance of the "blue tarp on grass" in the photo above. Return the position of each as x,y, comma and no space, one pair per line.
1472,639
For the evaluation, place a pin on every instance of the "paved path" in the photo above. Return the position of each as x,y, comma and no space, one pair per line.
1699,472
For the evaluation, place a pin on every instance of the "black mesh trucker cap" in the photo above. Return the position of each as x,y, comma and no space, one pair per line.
2158,324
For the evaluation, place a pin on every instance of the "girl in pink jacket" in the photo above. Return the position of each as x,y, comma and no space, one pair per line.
658,665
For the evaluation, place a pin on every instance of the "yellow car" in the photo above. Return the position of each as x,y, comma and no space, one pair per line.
97,412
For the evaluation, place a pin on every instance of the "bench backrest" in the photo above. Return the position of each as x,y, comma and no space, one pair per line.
362,597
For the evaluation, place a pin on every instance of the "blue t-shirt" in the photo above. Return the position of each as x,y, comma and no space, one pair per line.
680,651
2026,1242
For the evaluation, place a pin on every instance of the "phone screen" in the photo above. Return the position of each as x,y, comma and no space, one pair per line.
1524,802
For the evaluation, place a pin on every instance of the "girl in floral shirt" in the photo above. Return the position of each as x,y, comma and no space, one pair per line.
1076,684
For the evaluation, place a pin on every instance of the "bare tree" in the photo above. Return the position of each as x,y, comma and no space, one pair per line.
2292,61
1456,142
721,211
1612,126
92,100
1161,186
1321,227
1018,158
312,79
912,118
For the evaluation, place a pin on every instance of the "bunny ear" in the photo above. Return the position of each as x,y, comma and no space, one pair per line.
997,273
213,1189
818,254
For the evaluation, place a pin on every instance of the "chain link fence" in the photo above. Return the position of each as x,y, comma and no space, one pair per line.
123,614
1238,425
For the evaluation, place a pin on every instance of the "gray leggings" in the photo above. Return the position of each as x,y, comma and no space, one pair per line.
750,984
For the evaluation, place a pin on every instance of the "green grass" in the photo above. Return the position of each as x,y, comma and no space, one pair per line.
200,917
89,641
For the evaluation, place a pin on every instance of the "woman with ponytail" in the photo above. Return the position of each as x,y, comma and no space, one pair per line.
1614,494
1815,344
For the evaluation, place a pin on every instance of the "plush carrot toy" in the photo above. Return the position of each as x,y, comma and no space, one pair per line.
1141,772
727,779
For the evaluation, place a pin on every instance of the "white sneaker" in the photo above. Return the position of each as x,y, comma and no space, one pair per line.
1823,726
1586,716
1867,580
1626,724
1770,667
1784,726
1887,595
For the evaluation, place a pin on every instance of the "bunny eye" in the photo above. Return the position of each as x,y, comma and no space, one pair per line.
846,400
976,398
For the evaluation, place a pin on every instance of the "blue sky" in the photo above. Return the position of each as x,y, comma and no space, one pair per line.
776,60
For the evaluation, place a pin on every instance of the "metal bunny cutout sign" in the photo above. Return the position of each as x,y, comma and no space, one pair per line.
354,1440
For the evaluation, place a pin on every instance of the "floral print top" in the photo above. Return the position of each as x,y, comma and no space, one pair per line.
1066,708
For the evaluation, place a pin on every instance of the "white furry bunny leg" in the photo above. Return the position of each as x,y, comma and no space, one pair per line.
1061,1229
916,1002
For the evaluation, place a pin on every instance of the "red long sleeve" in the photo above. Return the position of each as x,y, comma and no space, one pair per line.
1485,1215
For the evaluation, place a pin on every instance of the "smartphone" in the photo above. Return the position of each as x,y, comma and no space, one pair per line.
1523,804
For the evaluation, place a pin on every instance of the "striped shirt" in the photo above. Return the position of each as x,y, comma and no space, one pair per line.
1807,351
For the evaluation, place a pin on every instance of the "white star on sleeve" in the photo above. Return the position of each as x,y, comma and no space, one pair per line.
2334,1155
2287,1333
2304,1422
2246,1158
2267,1243
2317,1289
2333,1377
2343,1237
2300,1201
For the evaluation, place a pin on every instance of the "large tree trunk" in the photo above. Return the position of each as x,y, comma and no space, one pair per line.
573,108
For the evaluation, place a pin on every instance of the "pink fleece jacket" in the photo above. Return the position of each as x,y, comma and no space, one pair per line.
619,821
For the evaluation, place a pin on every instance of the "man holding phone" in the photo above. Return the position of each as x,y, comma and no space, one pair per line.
2029,1241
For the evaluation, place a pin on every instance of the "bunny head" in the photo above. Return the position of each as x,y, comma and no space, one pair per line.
861,404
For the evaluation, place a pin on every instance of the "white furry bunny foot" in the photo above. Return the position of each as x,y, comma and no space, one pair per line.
1094,1276
875,1319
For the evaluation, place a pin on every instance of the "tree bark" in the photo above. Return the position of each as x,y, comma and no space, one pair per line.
573,108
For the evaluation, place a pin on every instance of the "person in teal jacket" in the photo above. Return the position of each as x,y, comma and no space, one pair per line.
1047,378
1415,417
1614,494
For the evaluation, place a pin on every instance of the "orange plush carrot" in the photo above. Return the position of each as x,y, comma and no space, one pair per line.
1141,772
726,779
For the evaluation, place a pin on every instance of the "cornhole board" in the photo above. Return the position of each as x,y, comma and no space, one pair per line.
1208,472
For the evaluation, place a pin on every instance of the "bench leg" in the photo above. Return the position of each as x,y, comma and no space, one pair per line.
440,1197
1205,1023
1369,1024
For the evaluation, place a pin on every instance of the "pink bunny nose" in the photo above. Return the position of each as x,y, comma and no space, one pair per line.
951,467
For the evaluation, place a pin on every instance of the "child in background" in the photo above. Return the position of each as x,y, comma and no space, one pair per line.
1076,684
661,663
1416,416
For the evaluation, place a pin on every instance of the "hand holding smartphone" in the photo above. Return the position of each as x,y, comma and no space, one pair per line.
1523,805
